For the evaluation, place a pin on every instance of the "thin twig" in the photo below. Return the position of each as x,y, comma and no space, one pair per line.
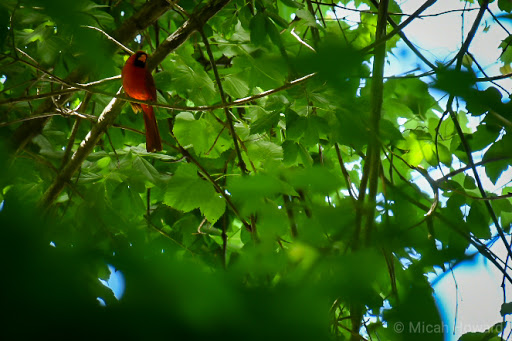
393,13
229,119
465,144
400,27
109,37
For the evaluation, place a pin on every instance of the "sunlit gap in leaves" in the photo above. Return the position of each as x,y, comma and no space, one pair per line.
352,15
371,317
438,172
382,206
115,282
138,38
2,205
3,79
491,65
440,43
465,211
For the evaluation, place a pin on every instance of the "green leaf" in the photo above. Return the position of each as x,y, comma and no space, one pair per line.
193,82
499,152
469,182
208,138
273,33
490,334
122,197
444,155
263,120
506,308
478,219
316,179
503,208
308,17
264,152
213,208
278,20
4,24
389,132
295,125
292,3
290,152
163,80
187,191
255,186
258,29
146,170
457,83
235,86
414,151
349,130
104,162
505,5
411,92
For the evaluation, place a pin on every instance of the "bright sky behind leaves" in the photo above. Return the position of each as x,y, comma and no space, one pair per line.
471,297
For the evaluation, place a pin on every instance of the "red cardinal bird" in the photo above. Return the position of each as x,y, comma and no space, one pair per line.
139,84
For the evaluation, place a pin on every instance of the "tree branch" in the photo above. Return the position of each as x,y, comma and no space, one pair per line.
149,13
113,109
377,88
372,161
400,27
465,144
229,119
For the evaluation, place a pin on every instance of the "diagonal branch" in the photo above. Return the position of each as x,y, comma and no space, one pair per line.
406,40
228,114
400,27
113,109
89,87
149,13
465,144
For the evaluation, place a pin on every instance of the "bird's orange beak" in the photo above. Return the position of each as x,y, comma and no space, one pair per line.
142,58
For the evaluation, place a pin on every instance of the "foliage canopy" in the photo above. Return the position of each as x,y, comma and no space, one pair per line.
285,204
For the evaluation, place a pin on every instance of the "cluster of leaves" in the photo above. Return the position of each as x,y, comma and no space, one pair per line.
271,188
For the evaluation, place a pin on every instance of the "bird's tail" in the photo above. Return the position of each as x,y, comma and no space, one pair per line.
153,140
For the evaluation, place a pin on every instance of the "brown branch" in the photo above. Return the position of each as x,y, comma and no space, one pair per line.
218,189
109,37
406,40
373,154
182,33
484,250
493,78
105,120
395,14
468,167
113,109
38,96
314,30
400,27
344,171
148,13
88,87
228,114
432,183
372,162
